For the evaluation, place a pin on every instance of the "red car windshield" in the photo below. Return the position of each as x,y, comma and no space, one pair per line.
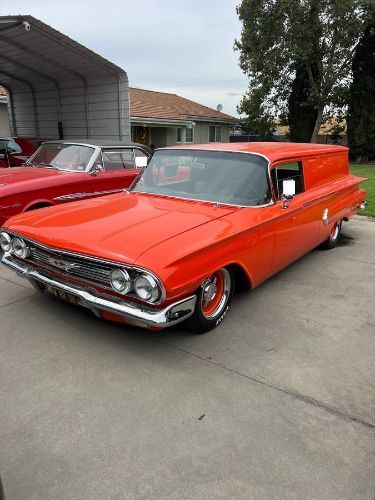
221,177
72,157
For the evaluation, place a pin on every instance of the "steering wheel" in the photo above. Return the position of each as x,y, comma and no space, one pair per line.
247,188
244,190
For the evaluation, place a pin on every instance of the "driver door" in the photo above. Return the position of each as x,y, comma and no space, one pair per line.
296,227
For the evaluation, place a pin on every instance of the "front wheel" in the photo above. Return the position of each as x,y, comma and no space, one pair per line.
213,301
334,236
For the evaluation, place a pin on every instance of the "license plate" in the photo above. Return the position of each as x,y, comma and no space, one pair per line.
66,297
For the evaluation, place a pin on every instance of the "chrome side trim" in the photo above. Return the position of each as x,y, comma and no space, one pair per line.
15,205
133,313
74,196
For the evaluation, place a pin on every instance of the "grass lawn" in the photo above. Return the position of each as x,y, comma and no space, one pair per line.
365,170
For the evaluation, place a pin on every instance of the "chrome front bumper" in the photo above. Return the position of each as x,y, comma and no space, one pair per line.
132,313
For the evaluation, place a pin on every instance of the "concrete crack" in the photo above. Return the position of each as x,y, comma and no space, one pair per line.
294,394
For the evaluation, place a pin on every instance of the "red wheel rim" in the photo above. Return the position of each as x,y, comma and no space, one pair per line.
215,291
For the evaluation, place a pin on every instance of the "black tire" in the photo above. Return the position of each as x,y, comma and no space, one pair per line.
334,236
210,310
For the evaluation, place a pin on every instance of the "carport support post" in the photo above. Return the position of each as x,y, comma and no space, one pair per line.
183,135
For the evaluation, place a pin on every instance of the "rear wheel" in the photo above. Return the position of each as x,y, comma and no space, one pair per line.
334,236
213,300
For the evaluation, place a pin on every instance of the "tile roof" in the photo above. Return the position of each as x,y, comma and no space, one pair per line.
161,105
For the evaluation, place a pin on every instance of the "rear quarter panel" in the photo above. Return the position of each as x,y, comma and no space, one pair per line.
329,185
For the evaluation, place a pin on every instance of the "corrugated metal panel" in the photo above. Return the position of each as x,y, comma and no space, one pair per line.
53,79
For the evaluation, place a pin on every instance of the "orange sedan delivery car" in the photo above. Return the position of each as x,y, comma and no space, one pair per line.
198,221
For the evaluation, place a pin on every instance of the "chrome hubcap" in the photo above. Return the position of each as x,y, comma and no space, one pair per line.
209,291
215,292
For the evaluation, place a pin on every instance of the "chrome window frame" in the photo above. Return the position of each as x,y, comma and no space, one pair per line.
269,163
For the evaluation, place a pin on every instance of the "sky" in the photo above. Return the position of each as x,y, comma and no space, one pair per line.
183,47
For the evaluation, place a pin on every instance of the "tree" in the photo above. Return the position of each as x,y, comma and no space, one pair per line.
361,114
301,113
314,38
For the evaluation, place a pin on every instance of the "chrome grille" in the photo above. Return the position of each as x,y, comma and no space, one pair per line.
73,266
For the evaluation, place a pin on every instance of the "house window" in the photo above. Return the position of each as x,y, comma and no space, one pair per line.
215,133
189,135
179,134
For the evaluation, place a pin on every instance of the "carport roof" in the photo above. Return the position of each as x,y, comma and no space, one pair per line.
31,51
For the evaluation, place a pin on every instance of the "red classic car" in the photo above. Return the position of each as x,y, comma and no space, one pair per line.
14,151
62,171
198,221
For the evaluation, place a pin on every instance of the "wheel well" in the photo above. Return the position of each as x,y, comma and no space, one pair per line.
242,280
38,205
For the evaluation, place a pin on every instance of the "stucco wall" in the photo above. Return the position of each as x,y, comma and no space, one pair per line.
158,136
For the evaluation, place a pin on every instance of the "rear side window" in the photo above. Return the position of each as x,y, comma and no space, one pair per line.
118,159
292,170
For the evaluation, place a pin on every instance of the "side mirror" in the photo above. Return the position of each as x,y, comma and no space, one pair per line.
289,190
141,161
96,169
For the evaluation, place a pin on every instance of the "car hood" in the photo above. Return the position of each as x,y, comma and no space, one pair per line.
20,174
117,227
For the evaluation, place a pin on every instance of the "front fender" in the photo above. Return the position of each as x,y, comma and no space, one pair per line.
183,262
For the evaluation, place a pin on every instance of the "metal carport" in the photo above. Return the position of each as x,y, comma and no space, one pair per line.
57,87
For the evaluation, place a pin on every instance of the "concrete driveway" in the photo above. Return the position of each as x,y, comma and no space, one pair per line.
278,402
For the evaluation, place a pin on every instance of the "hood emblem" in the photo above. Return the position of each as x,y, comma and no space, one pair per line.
61,264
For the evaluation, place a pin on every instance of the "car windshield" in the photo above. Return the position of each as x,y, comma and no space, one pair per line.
72,157
221,177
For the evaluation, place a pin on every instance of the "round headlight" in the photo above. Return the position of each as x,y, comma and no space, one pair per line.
5,242
146,288
20,249
120,280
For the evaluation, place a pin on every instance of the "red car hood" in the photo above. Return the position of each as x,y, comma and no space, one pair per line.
19,174
116,227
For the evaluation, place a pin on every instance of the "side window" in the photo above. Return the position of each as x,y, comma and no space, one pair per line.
118,159
291,170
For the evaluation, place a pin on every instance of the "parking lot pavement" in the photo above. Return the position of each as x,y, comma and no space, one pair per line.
278,402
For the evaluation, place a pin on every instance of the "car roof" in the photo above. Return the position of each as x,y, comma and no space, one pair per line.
271,150
98,142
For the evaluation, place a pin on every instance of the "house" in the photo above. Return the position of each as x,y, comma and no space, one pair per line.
163,119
